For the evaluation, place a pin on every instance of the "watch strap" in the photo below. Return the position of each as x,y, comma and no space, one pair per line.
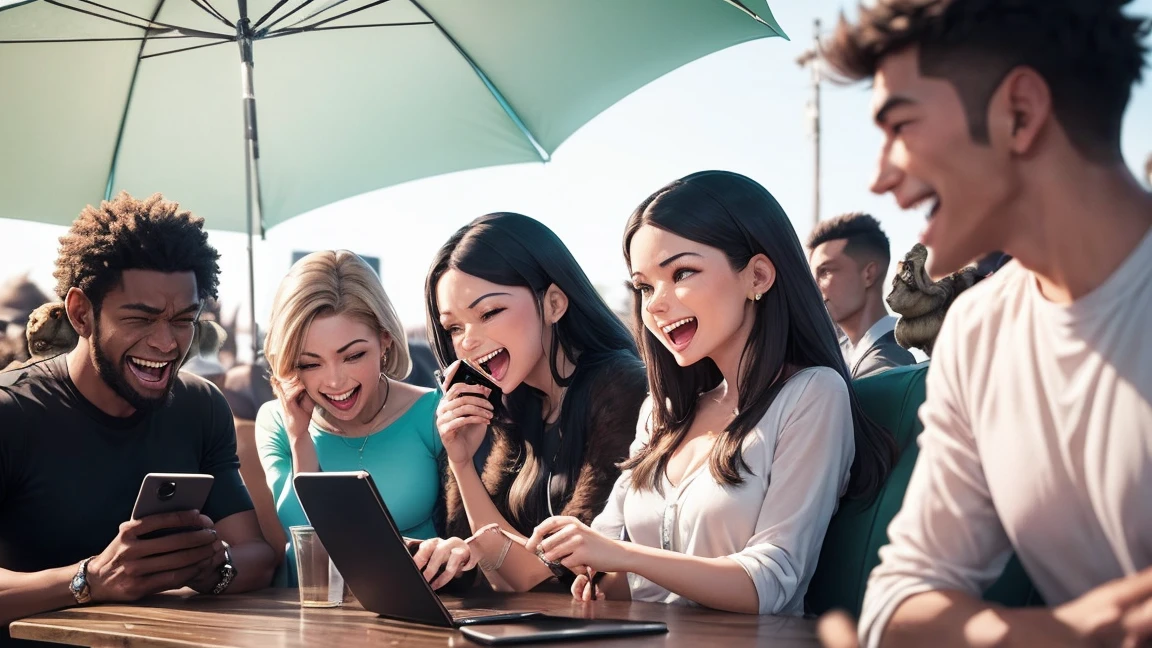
79,587
227,571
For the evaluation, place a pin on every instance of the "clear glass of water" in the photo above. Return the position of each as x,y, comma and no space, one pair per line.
321,585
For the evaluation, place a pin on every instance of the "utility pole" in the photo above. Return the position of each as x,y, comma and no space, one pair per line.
811,60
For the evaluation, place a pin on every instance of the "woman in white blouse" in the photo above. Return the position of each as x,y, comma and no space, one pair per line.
751,434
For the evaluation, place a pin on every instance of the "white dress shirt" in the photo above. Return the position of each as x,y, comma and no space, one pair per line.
852,352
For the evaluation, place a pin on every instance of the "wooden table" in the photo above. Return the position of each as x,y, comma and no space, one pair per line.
274,618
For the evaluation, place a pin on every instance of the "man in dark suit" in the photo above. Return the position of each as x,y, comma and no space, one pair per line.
849,256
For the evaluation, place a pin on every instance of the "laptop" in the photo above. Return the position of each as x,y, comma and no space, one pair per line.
363,541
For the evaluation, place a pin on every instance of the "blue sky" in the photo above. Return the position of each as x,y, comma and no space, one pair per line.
742,109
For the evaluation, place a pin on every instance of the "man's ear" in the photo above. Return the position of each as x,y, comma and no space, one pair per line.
555,304
762,273
870,273
80,312
1019,110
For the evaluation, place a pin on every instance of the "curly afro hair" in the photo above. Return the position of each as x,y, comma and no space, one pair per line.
130,234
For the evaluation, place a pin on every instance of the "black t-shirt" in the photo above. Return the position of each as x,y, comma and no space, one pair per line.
69,473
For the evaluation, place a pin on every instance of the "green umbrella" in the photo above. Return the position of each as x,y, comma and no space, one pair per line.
353,95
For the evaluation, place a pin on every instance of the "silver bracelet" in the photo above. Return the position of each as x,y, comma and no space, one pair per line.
490,566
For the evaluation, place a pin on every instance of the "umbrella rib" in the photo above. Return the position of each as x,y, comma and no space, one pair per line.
124,114
492,89
208,8
124,13
303,30
336,17
268,15
184,49
93,13
319,11
284,17
740,5
182,30
93,40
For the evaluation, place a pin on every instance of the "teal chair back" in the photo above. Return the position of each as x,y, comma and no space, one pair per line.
858,530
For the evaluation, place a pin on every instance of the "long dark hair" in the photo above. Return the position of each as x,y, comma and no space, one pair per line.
515,250
792,329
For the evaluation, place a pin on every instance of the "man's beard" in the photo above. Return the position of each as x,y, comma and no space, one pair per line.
114,377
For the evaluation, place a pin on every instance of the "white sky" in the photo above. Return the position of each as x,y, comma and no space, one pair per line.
742,109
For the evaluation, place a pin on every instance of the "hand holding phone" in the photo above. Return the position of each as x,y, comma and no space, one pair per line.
465,411
470,373
137,563
171,493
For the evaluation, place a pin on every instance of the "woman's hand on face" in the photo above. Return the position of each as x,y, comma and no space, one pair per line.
297,406
462,417
569,541
453,554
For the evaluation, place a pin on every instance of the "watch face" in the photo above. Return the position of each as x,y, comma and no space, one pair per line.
77,582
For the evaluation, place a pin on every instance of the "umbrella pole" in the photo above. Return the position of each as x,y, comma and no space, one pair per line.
251,156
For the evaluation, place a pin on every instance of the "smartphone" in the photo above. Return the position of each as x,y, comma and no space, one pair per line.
168,493
471,374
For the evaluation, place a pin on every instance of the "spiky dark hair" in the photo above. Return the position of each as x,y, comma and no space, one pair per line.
1088,51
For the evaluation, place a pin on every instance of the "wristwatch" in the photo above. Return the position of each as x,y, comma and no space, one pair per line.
79,584
227,571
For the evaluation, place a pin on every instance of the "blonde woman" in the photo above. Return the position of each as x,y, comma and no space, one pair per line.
337,353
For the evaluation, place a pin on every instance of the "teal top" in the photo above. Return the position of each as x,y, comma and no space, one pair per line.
403,460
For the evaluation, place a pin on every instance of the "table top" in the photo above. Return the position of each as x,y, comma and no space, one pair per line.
273,617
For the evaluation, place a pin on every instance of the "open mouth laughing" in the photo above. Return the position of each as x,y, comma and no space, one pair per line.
151,374
680,332
343,401
495,363
929,202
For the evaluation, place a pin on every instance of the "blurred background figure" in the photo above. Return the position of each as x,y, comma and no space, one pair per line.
18,298
424,365
849,256
203,357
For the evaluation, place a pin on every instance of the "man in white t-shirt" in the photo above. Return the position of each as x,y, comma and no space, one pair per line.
1003,119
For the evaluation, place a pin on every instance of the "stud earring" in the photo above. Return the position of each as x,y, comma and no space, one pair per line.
758,296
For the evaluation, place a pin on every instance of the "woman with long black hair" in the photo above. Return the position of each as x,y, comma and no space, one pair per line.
505,293
752,433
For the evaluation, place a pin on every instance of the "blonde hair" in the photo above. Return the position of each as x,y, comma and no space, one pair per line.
331,282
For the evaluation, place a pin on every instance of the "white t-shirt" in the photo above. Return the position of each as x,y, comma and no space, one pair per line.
1037,437
774,523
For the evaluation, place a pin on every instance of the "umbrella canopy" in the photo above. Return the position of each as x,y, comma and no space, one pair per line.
351,95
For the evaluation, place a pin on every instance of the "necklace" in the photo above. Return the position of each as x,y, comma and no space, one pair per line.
367,437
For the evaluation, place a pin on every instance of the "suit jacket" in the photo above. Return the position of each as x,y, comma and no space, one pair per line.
884,353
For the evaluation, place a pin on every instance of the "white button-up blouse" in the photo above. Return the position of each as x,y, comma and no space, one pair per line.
773,524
